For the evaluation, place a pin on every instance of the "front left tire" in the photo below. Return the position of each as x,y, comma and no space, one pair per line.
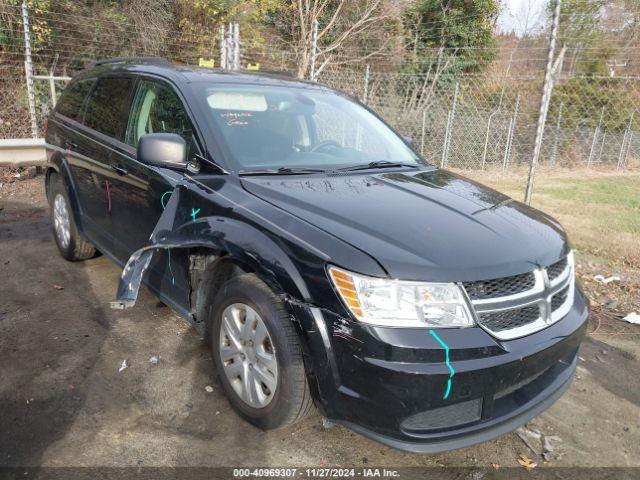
257,354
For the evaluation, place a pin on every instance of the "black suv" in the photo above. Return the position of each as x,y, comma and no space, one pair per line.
323,260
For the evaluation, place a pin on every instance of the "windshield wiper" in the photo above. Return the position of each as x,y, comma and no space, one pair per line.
377,164
280,171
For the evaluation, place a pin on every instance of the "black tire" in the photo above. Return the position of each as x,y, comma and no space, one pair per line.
76,249
292,399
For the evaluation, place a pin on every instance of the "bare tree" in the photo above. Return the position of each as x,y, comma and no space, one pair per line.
151,21
340,23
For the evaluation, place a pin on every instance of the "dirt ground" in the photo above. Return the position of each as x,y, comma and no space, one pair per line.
63,401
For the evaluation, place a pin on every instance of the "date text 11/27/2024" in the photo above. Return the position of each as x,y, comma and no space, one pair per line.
315,473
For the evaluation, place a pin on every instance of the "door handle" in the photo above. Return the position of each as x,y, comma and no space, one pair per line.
69,145
119,170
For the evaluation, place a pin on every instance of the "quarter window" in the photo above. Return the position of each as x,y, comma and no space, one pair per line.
158,109
108,105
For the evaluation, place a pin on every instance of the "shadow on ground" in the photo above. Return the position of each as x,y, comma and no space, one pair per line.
63,399
50,340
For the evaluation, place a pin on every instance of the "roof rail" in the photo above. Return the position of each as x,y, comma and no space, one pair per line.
149,60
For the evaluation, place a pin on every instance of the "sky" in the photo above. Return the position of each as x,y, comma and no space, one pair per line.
521,16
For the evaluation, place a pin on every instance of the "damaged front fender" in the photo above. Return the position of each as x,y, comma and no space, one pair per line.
175,229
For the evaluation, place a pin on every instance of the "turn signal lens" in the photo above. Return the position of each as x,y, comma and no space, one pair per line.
345,286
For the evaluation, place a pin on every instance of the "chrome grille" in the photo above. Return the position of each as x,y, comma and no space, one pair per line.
500,287
555,270
519,305
559,298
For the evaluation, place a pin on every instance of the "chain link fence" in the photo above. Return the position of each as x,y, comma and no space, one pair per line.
485,121
478,121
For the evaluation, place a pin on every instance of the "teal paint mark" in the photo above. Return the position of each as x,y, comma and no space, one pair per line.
162,198
194,212
452,372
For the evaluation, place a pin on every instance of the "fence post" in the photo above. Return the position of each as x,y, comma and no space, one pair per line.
52,82
229,46
626,141
28,68
626,153
423,131
486,137
448,133
554,151
314,49
596,132
512,129
365,95
547,87
223,48
236,46
604,136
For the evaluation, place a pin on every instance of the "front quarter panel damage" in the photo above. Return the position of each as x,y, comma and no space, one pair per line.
232,226
179,228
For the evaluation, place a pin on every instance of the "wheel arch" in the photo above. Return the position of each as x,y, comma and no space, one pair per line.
59,165
221,268
210,269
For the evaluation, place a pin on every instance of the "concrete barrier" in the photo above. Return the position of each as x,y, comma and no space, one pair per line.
22,152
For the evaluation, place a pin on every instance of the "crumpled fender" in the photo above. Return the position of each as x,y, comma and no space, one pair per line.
222,234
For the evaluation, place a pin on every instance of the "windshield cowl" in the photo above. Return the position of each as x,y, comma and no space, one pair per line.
311,171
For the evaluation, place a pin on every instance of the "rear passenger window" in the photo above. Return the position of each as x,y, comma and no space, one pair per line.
108,106
72,100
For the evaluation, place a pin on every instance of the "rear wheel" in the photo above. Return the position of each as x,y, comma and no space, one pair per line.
70,244
257,355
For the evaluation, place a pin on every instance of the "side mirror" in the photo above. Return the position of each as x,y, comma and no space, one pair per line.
167,150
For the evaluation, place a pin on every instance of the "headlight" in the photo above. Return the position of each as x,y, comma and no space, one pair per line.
394,303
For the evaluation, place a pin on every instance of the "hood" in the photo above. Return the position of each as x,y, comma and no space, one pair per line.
428,225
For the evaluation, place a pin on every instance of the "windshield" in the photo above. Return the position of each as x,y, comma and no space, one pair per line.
270,127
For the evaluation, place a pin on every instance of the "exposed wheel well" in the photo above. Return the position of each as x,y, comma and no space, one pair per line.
208,271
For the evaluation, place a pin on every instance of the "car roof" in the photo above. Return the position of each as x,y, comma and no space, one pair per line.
188,74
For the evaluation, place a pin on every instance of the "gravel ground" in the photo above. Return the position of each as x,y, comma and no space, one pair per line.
63,401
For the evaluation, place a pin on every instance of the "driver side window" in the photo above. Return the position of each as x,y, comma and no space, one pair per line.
158,109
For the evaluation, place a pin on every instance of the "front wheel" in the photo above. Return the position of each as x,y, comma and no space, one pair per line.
257,354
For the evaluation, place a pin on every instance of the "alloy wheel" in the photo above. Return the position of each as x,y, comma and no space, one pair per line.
248,355
61,221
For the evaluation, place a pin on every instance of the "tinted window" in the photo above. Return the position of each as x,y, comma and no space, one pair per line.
72,100
108,105
158,109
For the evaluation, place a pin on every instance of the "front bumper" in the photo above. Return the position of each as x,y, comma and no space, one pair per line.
389,384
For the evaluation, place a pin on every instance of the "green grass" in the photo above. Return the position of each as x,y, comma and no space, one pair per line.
621,191
600,211
622,194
